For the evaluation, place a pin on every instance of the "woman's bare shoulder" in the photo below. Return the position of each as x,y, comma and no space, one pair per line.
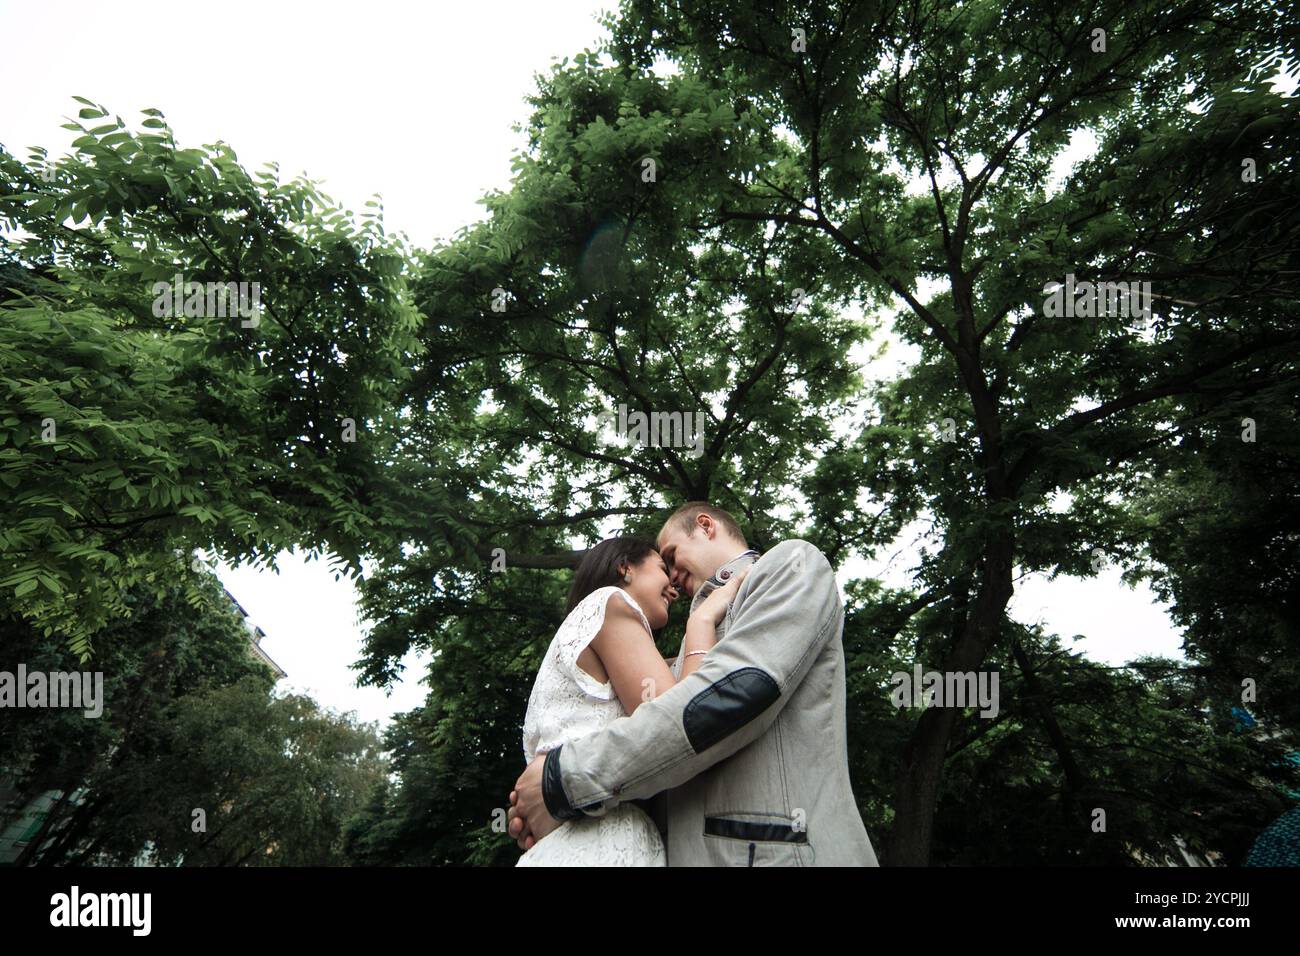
621,612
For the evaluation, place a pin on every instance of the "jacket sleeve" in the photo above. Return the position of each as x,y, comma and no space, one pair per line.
785,612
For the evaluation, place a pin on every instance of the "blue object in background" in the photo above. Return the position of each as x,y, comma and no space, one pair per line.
1279,845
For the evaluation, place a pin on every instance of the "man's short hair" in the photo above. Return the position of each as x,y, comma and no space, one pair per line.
684,517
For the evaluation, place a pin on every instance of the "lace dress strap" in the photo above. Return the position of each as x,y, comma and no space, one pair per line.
580,628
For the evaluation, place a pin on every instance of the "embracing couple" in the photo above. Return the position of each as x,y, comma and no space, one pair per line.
737,750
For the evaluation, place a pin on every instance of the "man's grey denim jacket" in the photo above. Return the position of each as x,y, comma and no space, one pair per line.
751,745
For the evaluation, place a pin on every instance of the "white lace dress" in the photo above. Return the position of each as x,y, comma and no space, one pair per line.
567,703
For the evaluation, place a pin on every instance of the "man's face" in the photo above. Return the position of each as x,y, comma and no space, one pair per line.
691,558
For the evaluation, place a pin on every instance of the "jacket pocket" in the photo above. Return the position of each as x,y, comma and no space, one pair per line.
768,841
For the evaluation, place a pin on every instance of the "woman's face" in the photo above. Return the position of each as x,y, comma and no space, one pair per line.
651,589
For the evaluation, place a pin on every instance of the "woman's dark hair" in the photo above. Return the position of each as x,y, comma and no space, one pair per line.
604,565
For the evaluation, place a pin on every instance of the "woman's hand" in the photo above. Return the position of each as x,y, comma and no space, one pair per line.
714,607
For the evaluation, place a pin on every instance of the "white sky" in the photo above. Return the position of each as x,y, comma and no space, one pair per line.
411,101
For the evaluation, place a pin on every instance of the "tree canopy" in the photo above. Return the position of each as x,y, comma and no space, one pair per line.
720,216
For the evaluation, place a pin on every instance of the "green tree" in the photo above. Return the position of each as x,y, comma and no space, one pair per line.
169,645
1221,535
126,431
614,293
974,102
895,158
190,721
277,778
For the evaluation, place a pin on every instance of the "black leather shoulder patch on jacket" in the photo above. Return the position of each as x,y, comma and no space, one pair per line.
725,706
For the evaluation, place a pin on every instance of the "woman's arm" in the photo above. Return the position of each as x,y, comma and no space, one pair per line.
701,635
627,650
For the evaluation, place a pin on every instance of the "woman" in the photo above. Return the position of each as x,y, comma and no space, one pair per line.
601,665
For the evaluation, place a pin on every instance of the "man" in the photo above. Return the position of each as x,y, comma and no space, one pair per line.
751,746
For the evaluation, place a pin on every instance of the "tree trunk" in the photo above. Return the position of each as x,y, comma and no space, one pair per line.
920,768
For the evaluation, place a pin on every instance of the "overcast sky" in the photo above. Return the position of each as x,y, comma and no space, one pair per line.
415,102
